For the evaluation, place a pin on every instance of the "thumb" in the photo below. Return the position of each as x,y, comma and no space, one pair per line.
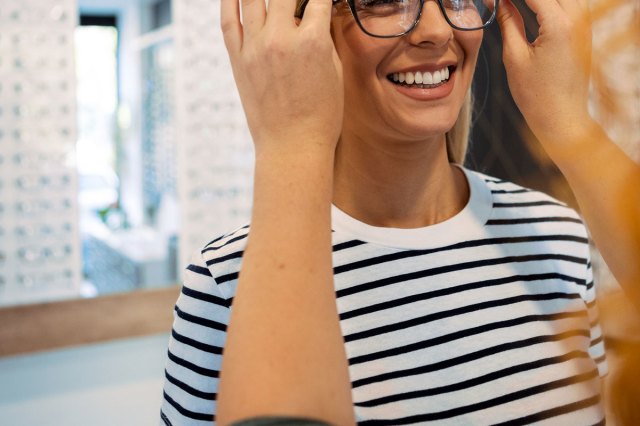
514,38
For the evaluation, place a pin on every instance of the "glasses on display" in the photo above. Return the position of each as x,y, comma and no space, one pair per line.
395,18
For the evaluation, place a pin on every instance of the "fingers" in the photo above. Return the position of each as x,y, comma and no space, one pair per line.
230,25
512,29
318,11
281,11
254,13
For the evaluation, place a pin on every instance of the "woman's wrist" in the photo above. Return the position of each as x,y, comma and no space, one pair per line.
294,158
576,145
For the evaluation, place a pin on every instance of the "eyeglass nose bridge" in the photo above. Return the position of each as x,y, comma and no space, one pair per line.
419,16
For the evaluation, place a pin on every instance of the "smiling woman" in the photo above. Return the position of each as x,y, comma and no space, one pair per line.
404,288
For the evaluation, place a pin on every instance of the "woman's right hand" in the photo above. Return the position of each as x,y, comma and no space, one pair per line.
287,72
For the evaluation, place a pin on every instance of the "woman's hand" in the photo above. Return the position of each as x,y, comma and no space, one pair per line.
549,78
287,72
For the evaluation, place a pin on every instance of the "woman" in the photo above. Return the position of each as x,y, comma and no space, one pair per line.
461,298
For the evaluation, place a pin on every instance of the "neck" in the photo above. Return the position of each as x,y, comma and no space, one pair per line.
397,184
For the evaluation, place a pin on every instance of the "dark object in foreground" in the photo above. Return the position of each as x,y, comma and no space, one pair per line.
280,421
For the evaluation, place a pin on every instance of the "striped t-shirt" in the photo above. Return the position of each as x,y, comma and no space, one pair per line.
486,318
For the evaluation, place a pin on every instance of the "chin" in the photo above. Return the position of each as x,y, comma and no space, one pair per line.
425,126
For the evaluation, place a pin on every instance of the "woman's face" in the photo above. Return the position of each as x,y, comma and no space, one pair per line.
376,105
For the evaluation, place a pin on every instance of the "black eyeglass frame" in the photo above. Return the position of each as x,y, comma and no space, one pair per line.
352,8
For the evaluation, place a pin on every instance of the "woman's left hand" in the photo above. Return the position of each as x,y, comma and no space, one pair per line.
549,78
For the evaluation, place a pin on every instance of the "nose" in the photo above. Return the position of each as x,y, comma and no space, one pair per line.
432,28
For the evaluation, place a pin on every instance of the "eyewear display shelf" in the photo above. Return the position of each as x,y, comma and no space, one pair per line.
39,241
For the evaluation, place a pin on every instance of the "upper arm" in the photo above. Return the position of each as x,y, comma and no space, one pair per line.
201,317
596,348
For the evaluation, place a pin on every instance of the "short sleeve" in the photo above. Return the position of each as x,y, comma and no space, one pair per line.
201,316
596,348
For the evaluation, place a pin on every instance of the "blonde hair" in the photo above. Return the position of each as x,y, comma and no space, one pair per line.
458,136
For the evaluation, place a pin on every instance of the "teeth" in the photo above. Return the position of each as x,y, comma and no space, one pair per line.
410,78
425,77
436,77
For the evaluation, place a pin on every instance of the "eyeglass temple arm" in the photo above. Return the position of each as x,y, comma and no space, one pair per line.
302,5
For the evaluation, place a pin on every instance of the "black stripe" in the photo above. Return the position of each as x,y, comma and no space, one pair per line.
465,244
460,335
238,254
209,298
452,268
495,180
227,277
231,241
215,240
596,341
452,290
602,422
468,383
595,322
389,328
473,356
199,270
519,221
528,204
347,244
554,412
602,358
188,413
504,399
165,419
209,396
200,321
510,191
225,236
590,285
212,349
231,256
193,367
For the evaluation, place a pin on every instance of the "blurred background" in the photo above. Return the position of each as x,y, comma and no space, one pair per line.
123,149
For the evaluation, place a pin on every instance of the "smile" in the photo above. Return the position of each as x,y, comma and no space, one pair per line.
422,79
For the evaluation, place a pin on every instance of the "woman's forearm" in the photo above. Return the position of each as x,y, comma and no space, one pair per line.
606,183
284,353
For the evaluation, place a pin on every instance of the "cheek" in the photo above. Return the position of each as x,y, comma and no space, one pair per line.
470,43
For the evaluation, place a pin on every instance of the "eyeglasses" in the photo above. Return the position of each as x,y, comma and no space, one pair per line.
395,18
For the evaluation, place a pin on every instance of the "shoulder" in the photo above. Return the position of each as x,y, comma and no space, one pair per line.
222,258
513,197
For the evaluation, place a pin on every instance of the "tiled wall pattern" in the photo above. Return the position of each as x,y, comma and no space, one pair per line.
39,243
214,145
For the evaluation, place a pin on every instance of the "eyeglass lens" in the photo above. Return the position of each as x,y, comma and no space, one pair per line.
393,17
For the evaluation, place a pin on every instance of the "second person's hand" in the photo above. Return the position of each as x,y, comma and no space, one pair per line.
287,72
549,78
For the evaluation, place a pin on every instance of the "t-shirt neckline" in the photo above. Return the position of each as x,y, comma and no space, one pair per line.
466,224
